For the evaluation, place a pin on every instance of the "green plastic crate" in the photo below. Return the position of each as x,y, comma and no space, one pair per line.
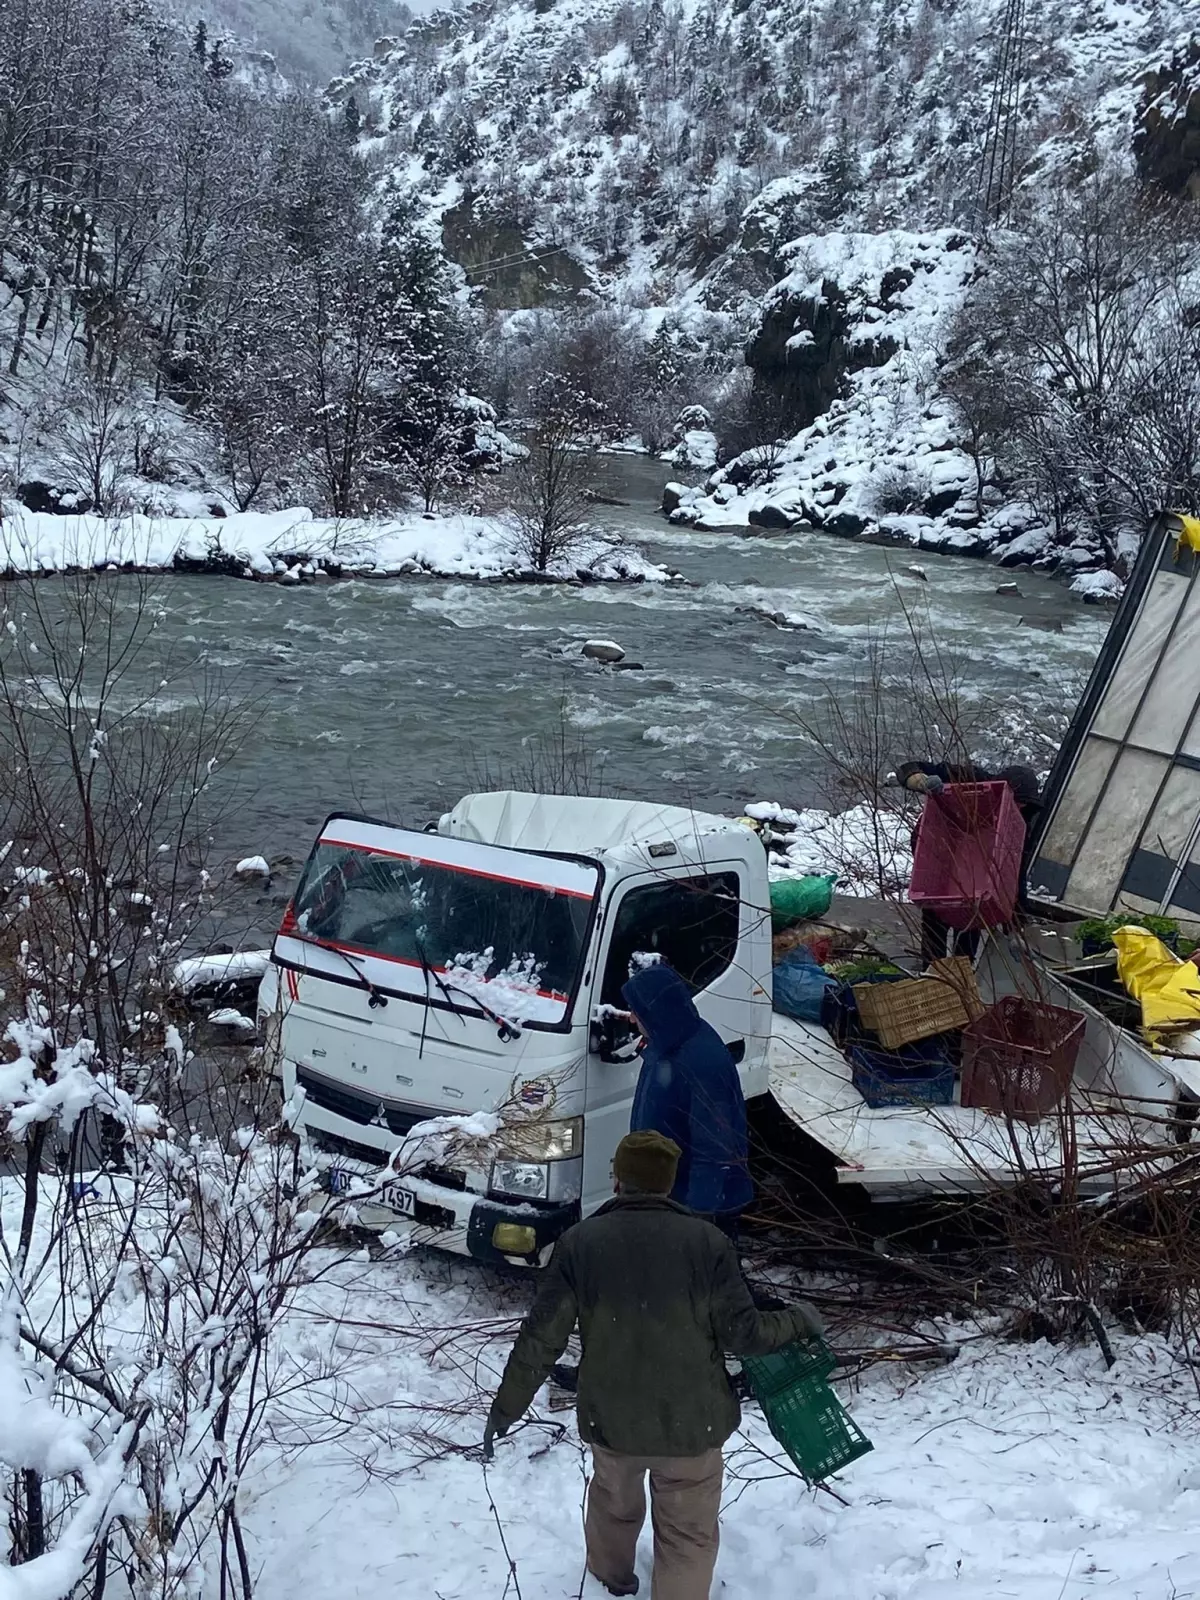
814,1428
795,1363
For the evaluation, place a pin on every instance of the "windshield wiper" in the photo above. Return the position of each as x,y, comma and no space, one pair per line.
506,1029
377,999
428,972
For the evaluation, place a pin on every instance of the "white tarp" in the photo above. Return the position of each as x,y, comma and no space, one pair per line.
583,825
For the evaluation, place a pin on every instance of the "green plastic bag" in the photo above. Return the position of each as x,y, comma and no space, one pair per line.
800,899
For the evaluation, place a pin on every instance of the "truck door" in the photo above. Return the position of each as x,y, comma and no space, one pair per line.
695,921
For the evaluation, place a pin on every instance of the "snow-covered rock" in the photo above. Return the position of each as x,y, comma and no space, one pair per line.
697,449
252,868
236,1021
1098,588
235,966
606,650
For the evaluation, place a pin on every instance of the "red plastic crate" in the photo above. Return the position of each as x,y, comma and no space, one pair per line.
1018,1058
967,857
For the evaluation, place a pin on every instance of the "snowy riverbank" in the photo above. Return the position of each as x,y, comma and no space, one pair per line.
293,546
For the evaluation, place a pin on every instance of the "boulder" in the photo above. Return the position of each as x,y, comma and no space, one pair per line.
253,869
1007,588
846,524
672,497
771,516
603,650
1044,624
943,500
37,496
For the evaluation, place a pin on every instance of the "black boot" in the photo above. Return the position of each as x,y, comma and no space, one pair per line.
630,1586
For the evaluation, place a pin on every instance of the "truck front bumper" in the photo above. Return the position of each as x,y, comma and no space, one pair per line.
469,1224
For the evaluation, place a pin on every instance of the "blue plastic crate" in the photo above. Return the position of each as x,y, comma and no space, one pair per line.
919,1075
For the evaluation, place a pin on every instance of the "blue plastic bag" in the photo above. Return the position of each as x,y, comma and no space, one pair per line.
800,985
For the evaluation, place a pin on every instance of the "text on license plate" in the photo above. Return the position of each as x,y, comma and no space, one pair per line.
401,1200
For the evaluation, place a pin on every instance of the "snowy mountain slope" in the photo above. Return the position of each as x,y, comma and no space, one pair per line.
635,134
795,168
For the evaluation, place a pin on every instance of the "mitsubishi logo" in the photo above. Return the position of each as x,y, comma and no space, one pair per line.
379,1120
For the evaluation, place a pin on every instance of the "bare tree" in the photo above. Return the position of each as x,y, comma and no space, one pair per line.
95,427
549,492
109,754
343,357
1079,364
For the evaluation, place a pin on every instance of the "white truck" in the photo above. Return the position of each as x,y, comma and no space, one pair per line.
420,974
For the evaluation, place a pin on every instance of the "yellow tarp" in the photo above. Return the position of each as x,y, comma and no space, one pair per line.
1168,988
1187,533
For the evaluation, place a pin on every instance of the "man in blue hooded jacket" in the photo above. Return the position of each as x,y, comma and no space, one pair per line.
689,1091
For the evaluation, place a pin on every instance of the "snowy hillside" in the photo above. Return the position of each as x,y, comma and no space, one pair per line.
804,180
632,137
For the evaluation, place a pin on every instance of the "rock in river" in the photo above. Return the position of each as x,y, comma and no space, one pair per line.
603,650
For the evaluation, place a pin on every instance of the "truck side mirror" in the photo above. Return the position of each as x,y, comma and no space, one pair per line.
613,1037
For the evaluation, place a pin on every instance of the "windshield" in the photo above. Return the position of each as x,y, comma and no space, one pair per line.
453,930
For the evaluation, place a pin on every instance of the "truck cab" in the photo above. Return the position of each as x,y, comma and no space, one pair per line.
478,967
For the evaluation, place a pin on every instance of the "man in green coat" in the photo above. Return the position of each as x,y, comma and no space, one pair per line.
659,1299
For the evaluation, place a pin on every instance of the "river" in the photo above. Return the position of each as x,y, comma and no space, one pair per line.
394,697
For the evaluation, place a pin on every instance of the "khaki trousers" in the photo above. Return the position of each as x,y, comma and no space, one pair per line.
685,1500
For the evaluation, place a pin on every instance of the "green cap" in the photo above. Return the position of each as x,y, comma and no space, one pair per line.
647,1161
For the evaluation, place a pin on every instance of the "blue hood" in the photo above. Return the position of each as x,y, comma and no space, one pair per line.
664,1006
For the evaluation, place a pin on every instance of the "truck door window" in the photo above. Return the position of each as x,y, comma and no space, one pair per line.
690,922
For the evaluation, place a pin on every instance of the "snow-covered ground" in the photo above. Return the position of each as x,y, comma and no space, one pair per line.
1022,1472
293,546
869,848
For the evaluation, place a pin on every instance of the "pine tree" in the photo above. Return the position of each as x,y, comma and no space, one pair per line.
840,180
219,66
463,143
425,346
352,118
200,41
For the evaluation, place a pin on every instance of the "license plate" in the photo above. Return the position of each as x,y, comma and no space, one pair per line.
402,1201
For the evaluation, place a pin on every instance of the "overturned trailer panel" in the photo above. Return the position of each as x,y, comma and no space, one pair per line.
1121,828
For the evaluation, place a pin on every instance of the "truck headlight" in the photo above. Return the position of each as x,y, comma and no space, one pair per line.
521,1180
559,1140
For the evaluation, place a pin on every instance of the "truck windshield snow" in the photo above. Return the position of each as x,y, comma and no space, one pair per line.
426,926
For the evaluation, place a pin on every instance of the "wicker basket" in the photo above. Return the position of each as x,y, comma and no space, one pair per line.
945,999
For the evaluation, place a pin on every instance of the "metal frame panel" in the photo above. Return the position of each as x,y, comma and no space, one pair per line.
1142,701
